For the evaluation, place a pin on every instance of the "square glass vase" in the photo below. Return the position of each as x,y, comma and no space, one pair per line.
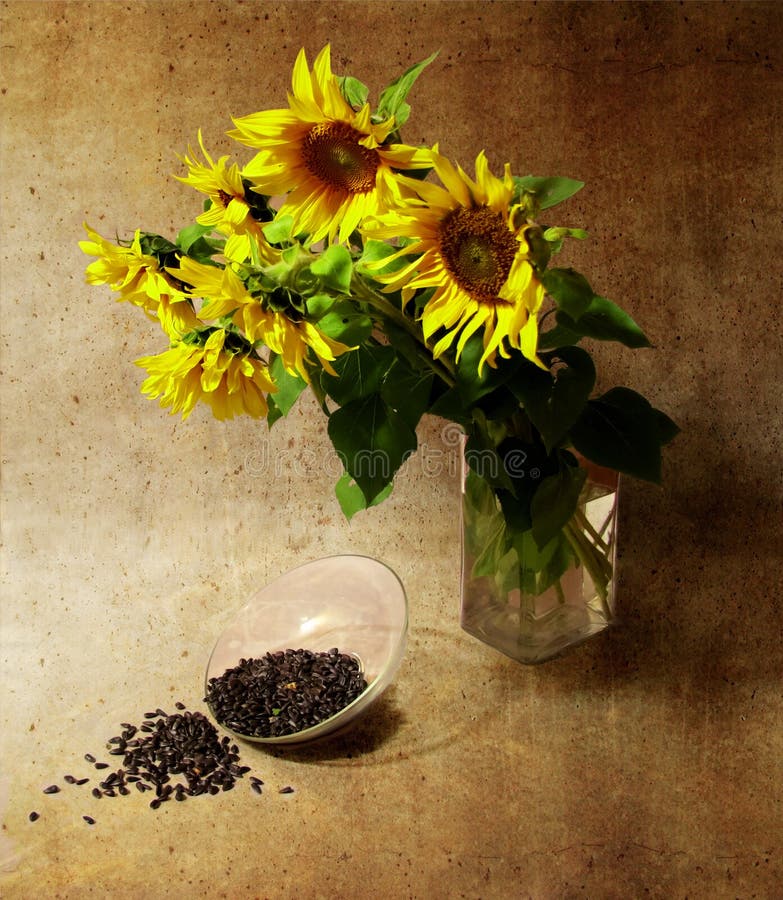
513,603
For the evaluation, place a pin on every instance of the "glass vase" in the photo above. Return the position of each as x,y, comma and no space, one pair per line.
533,604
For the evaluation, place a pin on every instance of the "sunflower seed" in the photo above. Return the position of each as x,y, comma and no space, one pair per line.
284,692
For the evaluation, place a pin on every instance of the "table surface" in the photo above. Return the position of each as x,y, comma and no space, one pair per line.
647,763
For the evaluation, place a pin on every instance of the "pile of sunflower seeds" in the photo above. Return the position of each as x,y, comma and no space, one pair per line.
284,692
176,756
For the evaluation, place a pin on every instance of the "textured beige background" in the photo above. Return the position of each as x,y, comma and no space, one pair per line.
647,763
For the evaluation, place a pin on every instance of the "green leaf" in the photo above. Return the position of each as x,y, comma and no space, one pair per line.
351,498
319,393
605,321
559,558
334,267
556,235
555,403
423,296
483,458
278,231
407,391
372,440
515,512
622,431
204,248
450,405
473,385
499,405
548,191
360,373
345,322
318,305
289,387
189,235
479,496
570,290
375,251
392,99
494,549
484,526
555,502
559,336
353,90
539,568
405,344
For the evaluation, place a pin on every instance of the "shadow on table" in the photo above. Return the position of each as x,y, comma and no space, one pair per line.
362,737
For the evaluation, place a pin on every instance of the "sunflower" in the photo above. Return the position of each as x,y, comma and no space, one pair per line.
468,247
329,159
139,279
269,318
229,213
214,366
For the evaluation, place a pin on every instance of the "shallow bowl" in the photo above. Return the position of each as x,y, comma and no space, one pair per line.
354,603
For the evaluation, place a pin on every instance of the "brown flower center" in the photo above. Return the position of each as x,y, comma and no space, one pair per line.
478,250
333,154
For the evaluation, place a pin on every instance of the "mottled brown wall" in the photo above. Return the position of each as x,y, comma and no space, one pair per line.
646,764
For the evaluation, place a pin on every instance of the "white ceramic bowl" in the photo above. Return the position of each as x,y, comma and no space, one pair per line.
354,603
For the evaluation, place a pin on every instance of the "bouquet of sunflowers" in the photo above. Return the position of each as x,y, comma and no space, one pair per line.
393,284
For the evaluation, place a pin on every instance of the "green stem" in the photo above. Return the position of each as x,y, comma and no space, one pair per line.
595,562
586,525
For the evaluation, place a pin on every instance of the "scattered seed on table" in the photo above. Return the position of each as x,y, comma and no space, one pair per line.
34,816
179,705
89,820
176,756
286,790
256,786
